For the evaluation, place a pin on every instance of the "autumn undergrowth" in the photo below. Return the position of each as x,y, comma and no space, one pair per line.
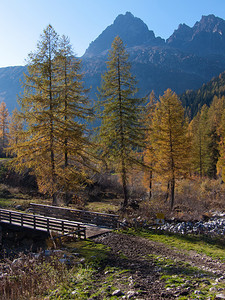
80,271
29,278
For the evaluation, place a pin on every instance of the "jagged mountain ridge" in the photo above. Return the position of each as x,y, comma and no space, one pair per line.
204,38
186,60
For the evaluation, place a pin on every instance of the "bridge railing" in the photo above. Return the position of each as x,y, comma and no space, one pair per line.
37,222
100,219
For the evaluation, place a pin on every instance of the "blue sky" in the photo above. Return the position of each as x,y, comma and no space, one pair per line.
22,21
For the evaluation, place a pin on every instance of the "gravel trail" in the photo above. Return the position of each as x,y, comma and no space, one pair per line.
137,256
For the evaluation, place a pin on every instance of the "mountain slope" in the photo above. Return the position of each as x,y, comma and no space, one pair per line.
10,85
204,95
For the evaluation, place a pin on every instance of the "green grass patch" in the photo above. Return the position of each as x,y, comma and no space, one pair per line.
5,203
91,252
214,248
94,278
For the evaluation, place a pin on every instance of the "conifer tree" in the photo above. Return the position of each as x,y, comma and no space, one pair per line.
200,142
120,132
73,112
221,146
53,142
4,123
15,128
149,156
39,105
170,140
221,159
214,123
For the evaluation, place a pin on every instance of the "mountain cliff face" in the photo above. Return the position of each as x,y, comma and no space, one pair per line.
190,57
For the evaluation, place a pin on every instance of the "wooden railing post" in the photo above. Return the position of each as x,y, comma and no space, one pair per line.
78,228
48,229
62,226
34,218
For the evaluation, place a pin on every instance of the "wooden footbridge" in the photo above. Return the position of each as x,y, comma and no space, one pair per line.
42,223
64,221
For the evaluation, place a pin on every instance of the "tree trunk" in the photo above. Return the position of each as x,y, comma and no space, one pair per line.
200,157
167,191
67,198
150,185
172,189
54,199
124,183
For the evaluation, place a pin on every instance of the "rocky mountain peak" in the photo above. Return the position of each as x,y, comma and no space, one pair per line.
208,23
183,33
132,30
206,37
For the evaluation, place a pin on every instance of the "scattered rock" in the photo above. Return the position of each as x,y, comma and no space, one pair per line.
213,227
18,207
117,293
63,260
17,262
76,254
82,260
220,296
131,294
213,289
197,292
47,252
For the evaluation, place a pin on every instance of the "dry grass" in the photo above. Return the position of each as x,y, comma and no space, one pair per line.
30,278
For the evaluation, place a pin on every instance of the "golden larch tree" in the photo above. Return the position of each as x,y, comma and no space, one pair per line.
4,127
170,142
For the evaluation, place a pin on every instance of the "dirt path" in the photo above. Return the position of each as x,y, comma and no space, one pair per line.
138,256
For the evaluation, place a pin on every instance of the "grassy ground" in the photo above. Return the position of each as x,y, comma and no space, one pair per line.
180,275
11,197
106,206
214,248
177,275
